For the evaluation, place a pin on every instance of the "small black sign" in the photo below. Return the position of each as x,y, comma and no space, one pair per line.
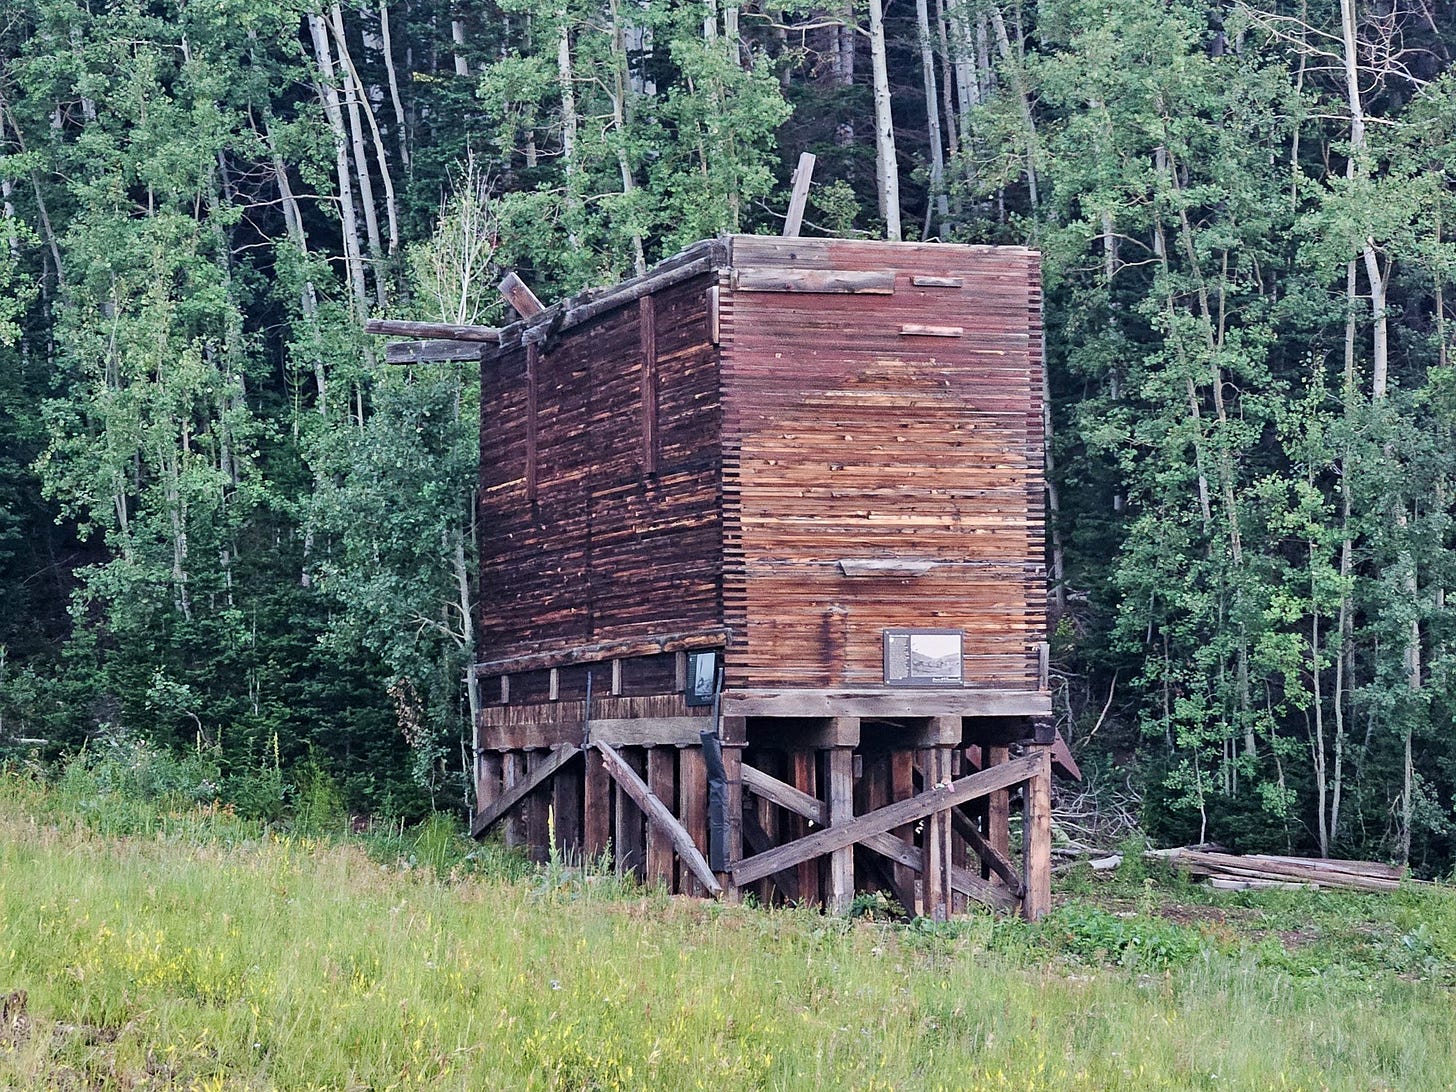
704,677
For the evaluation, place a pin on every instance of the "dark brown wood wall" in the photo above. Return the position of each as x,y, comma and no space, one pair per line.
622,537
857,425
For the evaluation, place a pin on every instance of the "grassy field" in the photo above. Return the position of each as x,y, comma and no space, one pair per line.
189,949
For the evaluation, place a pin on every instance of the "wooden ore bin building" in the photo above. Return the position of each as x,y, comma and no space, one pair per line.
787,493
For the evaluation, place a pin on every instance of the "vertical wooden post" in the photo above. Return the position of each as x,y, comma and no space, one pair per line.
767,816
733,767
802,769
998,806
514,765
902,787
841,810
662,783
538,839
960,855
1037,835
488,787
932,846
566,802
692,778
597,807
628,835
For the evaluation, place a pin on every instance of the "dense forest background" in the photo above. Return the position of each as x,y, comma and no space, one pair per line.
227,526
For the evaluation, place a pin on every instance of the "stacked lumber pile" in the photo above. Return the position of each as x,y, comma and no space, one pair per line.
1244,872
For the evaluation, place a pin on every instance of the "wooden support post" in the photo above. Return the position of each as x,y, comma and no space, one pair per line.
537,804
628,833
802,771
733,767
489,787
514,764
662,782
692,779
597,809
902,787
1037,836
841,811
959,850
932,874
566,804
765,817
998,807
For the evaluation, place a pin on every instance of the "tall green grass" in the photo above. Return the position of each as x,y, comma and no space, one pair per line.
203,951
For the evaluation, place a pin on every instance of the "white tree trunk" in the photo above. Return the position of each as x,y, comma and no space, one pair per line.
329,95
887,170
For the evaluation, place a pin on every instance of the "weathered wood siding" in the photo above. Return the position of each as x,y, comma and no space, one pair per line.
618,536
867,417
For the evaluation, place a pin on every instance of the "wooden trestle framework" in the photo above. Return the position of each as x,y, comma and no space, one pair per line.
781,453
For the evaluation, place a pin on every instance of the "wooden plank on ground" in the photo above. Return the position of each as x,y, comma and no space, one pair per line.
657,812
897,814
522,788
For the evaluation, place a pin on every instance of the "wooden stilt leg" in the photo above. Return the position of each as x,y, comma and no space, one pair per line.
692,780
597,808
514,765
566,803
488,787
945,775
841,810
932,875
802,770
661,780
998,805
628,835
1037,834
767,817
959,852
902,787
733,766
537,804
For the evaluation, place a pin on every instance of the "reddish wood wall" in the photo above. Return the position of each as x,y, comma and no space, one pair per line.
622,536
846,438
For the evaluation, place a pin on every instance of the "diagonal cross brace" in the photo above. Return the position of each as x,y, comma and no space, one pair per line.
521,789
886,845
658,813
860,829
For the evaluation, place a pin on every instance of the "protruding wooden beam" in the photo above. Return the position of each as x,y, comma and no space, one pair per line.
803,174
424,331
657,813
432,352
515,293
